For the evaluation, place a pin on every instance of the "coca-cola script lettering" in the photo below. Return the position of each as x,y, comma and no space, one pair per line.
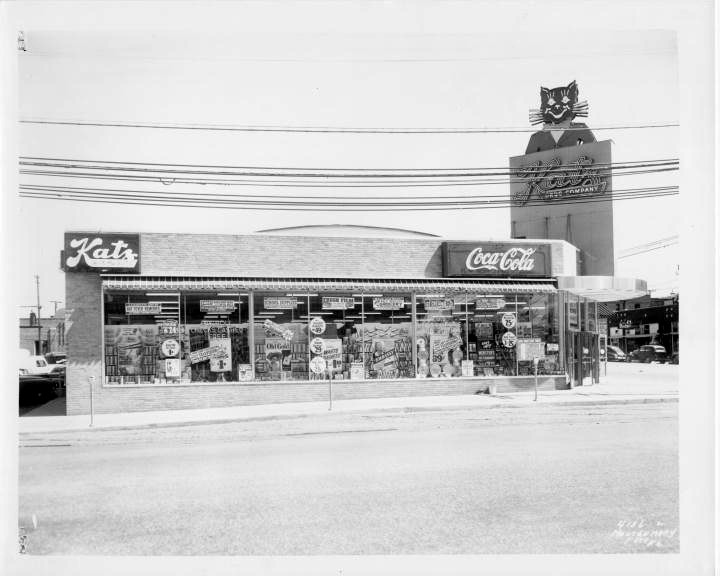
498,259
515,259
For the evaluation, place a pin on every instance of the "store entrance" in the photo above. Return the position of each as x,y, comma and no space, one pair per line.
585,359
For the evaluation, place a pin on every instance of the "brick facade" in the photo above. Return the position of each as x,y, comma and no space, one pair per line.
262,256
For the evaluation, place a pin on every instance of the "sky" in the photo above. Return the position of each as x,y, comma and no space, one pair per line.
416,77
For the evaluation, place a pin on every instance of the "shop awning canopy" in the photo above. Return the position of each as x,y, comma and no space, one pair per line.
327,284
603,288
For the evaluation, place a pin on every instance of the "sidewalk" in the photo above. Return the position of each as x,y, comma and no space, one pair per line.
627,384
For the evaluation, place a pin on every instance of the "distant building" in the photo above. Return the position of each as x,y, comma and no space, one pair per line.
644,320
52,333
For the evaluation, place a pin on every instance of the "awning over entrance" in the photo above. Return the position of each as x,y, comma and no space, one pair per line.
327,284
603,288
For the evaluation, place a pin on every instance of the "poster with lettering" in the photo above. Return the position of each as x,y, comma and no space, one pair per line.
219,339
333,353
131,350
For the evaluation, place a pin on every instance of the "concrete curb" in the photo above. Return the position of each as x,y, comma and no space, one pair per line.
405,409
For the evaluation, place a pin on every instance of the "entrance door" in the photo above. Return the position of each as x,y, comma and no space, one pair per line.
582,358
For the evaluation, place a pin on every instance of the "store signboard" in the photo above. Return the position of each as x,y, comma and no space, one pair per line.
217,306
490,303
143,309
529,348
205,354
437,304
89,252
503,259
572,314
357,370
172,368
338,303
560,174
390,303
602,326
279,303
168,327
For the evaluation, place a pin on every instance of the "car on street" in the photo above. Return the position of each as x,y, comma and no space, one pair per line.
615,354
36,388
649,353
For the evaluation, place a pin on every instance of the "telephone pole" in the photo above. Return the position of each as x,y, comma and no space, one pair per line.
37,290
56,302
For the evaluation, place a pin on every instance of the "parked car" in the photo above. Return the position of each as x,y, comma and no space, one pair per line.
615,354
36,365
649,353
675,358
36,388
55,358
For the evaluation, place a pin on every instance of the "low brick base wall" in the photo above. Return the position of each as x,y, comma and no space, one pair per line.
113,399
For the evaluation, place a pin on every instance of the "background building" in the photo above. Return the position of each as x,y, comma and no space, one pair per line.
50,337
644,320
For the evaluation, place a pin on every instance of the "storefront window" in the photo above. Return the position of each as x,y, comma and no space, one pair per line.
281,335
384,339
136,327
215,337
333,323
183,337
441,334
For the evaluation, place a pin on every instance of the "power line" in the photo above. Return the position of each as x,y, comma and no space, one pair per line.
489,198
71,162
650,244
139,197
647,250
322,129
310,183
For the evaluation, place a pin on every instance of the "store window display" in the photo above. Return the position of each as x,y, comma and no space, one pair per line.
280,331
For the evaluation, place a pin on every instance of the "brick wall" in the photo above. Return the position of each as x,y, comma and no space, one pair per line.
304,256
145,398
83,336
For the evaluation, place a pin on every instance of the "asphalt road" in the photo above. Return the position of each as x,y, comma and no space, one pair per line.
542,479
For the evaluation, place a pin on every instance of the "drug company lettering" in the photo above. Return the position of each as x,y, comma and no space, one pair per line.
515,259
553,181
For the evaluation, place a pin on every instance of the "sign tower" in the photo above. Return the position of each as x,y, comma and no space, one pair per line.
561,188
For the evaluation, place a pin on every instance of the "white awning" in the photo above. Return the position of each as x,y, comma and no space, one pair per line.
603,288
326,284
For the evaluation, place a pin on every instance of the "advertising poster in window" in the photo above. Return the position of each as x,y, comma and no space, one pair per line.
278,354
219,339
131,351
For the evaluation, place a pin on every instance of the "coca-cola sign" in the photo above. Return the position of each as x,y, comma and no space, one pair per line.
496,259
87,252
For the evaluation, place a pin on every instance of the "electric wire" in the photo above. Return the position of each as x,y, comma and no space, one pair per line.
324,129
325,183
486,199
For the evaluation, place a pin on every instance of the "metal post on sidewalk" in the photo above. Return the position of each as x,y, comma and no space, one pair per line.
536,361
330,388
91,380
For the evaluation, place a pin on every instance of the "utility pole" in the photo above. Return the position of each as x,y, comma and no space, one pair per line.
37,290
55,302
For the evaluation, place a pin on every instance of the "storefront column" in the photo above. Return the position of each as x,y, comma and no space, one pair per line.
251,332
414,332
102,334
562,329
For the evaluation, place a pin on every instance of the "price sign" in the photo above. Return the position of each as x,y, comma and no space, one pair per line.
318,365
317,345
509,339
170,348
317,325
508,320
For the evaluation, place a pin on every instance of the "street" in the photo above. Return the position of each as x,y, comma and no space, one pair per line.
539,479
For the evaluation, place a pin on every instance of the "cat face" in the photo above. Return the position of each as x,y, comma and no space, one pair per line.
557,104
